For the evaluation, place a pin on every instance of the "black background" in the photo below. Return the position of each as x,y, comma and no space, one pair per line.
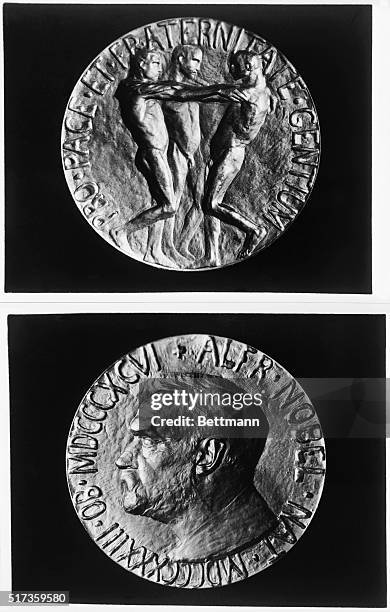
50,247
54,359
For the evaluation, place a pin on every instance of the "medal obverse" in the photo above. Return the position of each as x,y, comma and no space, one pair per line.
190,144
207,496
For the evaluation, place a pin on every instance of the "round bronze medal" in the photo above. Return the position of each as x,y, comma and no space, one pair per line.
195,461
190,144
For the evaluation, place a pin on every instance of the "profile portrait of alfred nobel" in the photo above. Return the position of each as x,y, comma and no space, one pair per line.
192,478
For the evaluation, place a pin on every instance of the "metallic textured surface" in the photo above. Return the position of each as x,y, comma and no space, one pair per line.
163,509
190,144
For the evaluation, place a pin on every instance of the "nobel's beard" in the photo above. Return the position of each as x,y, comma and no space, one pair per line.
164,499
133,494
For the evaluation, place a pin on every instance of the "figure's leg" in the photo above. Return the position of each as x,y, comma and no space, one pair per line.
219,178
222,174
142,165
212,230
193,216
212,227
179,173
153,251
161,186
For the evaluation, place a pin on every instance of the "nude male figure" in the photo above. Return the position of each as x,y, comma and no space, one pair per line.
239,126
182,120
140,101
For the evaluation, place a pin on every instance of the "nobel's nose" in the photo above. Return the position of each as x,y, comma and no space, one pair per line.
126,459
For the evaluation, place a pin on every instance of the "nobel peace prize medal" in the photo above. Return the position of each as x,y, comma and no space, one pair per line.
195,461
190,144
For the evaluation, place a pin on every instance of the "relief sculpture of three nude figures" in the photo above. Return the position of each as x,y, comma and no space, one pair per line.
160,106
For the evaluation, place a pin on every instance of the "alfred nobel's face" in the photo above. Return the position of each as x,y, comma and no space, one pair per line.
190,62
155,475
151,67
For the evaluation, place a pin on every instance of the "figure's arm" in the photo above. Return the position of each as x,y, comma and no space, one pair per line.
180,92
230,95
221,92
157,91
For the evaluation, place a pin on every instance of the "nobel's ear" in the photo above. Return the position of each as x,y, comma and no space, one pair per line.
209,456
